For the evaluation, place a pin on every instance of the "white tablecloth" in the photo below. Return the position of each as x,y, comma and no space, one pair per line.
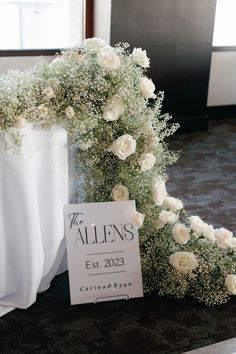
33,190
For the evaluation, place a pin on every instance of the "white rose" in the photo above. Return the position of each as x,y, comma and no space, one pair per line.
20,122
94,44
147,161
209,232
147,87
230,283
140,57
124,146
57,60
69,111
159,224
184,262
159,192
108,59
139,219
120,192
233,244
42,110
48,92
196,223
200,227
168,217
113,113
181,233
173,204
224,238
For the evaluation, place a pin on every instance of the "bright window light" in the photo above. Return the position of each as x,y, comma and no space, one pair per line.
225,24
42,24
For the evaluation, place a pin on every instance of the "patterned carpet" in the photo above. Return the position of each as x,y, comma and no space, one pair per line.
205,178
205,175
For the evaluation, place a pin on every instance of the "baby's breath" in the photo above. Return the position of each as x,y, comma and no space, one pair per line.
74,92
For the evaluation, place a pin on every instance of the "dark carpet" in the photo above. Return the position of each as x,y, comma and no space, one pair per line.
205,178
205,175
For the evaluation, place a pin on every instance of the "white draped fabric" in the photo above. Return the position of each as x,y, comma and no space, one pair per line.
33,190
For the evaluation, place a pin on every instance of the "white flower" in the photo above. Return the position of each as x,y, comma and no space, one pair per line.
173,204
224,238
159,224
181,233
87,143
147,87
42,110
113,113
108,59
48,92
209,233
139,219
55,83
230,283
233,243
147,161
69,111
159,193
184,262
200,227
94,44
20,122
57,60
140,57
168,217
120,192
124,146
196,223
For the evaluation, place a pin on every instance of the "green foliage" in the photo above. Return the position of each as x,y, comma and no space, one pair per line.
98,102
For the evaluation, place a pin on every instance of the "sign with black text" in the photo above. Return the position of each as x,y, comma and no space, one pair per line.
103,251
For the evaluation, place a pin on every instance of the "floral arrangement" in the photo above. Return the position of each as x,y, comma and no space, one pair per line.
103,98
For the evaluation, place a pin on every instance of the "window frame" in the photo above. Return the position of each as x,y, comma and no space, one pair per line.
223,48
28,52
88,32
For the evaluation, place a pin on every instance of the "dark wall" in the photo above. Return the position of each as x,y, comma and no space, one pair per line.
177,35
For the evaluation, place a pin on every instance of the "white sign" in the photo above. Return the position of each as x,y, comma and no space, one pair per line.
103,252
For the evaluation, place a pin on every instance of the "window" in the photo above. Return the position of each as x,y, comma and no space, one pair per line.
42,24
225,24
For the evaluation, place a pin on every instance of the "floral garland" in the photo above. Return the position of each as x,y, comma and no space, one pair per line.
101,96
